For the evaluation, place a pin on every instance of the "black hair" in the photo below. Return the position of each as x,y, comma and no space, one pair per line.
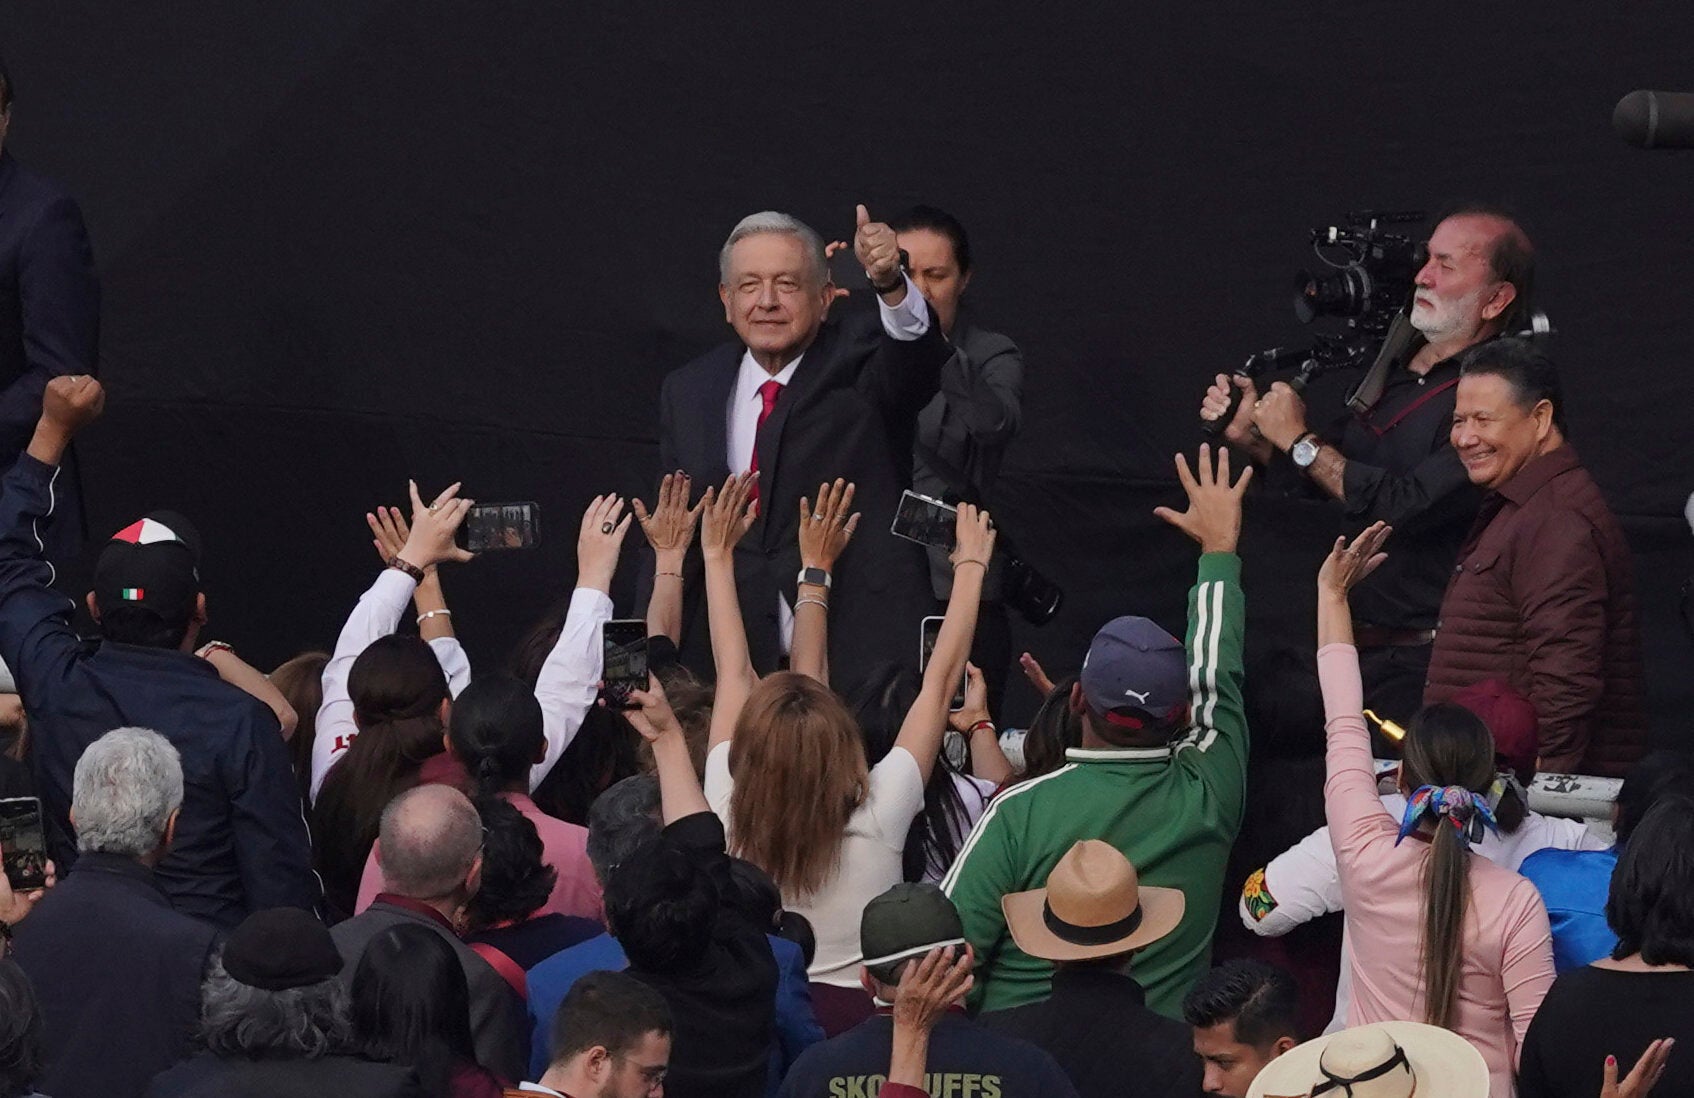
1655,776
496,730
660,906
1055,728
412,1004
6,89
1512,259
795,927
1261,999
1523,366
880,704
515,881
937,221
1651,904
754,895
142,627
609,1010
20,1032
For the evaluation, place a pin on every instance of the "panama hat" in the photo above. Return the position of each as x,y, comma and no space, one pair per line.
1094,905
1382,1060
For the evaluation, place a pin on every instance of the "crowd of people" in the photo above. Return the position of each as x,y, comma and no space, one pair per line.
795,864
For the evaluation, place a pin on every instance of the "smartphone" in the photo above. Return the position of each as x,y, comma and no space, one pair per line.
24,842
925,521
623,644
929,630
491,526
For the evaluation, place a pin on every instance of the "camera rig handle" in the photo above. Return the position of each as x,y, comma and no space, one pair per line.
1258,363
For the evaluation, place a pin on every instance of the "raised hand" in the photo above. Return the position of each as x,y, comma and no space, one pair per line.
1348,564
71,402
1036,674
1213,517
1641,1079
728,516
14,906
651,712
975,709
389,531
669,528
931,986
430,540
878,249
973,537
598,541
825,531
829,250
1280,415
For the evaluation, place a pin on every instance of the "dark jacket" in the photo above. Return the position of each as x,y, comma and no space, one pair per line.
241,841
117,972
848,412
497,1015
340,1076
1097,1026
1543,597
49,320
964,1059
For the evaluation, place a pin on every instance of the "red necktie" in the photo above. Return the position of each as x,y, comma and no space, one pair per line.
767,393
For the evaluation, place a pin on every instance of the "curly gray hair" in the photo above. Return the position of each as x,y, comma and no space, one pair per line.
127,784
300,1023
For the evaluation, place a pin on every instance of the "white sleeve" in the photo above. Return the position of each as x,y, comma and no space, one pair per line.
375,615
1296,887
450,654
908,320
570,679
895,797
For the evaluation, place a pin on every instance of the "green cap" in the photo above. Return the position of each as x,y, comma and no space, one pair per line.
907,921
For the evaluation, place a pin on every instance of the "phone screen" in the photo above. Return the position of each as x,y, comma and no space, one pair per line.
930,630
491,526
624,646
24,842
925,521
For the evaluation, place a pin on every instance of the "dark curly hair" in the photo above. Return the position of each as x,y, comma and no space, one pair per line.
515,881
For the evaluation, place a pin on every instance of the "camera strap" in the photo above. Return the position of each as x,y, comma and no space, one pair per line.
1397,347
1408,409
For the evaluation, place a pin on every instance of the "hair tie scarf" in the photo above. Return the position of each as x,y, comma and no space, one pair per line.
1468,812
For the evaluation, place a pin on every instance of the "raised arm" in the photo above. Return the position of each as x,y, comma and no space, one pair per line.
242,675
679,787
669,529
389,531
929,988
728,516
976,724
926,722
824,533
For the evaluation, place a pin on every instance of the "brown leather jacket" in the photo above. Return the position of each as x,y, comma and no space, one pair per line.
1543,596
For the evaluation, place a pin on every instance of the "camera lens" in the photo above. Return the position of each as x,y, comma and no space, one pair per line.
1343,293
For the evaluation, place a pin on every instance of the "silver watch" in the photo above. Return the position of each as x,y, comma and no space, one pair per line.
1305,450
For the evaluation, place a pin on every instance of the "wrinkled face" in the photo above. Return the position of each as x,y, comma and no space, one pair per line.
1493,435
1230,1066
640,1073
772,298
935,271
1457,292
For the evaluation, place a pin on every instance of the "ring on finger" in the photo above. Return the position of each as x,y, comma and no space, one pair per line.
606,527
817,516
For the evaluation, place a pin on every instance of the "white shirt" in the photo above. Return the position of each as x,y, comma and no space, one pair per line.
905,322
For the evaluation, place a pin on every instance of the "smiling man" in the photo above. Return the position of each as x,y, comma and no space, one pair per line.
800,401
1543,595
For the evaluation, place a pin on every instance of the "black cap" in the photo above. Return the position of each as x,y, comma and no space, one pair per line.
152,563
281,948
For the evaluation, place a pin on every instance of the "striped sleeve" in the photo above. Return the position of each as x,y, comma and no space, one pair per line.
1216,745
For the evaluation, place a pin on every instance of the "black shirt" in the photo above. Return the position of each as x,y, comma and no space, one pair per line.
1591,1013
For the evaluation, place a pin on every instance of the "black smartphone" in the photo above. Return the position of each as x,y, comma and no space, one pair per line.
623,644
491,526
924,520
24,842
929,631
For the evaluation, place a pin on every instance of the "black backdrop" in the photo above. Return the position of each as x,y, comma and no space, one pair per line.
347,242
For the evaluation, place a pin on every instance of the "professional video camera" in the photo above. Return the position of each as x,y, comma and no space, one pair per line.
1369,283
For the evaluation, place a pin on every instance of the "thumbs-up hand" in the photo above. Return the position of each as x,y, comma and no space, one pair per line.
878,250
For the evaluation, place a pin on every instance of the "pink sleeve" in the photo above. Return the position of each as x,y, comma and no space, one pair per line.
1350,800
1526,970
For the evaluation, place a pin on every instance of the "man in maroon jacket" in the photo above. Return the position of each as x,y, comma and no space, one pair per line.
1543,594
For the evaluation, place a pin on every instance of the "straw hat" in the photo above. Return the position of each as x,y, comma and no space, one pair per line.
1384,1060
1093,906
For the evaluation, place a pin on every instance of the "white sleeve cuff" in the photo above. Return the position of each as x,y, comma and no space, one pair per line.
908,320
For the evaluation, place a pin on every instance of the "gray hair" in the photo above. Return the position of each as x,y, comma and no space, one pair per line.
127,784
770,221
621,821
301,1023
430,837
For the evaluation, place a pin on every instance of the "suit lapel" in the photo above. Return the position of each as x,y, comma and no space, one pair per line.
807,378
720,384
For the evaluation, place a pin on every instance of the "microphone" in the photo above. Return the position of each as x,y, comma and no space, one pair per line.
1656,120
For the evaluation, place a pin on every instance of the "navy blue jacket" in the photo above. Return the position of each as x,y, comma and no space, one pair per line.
965,1061
241,841
49,319
118,975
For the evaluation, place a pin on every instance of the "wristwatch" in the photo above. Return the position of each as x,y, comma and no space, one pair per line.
1305,450
816,577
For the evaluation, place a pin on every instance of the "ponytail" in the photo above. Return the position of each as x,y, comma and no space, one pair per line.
496,731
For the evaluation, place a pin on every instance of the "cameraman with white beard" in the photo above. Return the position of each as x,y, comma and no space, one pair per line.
1389,459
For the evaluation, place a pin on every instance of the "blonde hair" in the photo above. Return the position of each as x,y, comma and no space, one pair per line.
799,767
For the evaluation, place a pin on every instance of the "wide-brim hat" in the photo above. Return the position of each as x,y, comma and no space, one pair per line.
1094,905
1434,1061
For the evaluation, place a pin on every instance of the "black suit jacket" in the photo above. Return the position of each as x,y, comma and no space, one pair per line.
1097,1026
850,411
49,322
340,1076
117,972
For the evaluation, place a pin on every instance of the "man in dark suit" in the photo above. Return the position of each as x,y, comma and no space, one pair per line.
49,316
802,401
116,1008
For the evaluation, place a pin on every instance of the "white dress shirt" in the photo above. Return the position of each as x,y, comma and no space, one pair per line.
905,322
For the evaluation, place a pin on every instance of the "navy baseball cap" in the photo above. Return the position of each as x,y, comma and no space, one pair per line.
152,563
1134,664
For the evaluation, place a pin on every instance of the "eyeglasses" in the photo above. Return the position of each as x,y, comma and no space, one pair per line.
651,1075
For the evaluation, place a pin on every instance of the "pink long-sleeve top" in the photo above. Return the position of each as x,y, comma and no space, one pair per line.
1508,946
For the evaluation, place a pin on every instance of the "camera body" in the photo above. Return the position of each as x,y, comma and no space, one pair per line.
1371,275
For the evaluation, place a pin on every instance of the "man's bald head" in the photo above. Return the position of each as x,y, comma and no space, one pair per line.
431,839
